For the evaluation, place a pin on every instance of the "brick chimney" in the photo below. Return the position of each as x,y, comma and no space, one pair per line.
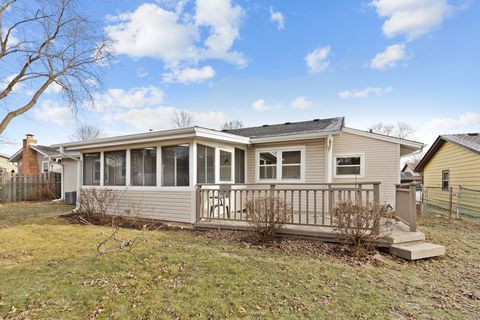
29,162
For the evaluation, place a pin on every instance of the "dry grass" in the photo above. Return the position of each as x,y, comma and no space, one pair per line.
49,269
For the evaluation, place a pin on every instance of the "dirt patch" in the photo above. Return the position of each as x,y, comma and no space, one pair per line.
305,247
116,221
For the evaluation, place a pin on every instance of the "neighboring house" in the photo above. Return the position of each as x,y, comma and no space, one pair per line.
408,174
5,165
160,169
33,158
452,161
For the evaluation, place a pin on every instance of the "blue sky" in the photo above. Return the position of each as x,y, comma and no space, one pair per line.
277,61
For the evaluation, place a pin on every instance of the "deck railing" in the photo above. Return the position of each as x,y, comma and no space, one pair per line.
406,206
308,203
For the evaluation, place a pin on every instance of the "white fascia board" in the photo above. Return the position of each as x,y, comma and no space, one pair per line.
407,143
222,136
294,137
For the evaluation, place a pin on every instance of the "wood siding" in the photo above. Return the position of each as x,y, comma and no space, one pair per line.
382,162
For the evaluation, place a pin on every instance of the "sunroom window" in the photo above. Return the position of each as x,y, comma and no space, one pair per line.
268,165
91,169
205,164
291,164
239,165
175,166
143,167
115,164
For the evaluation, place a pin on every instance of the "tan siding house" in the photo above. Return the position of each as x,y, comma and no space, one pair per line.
158,171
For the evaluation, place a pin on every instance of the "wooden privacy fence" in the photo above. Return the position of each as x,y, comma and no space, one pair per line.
29,187
308,204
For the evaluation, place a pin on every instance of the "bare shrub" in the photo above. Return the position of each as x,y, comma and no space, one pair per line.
97,201
43,192
362,224
267,214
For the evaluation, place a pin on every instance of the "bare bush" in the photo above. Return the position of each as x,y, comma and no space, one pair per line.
97,201
267,214
44,193
362,224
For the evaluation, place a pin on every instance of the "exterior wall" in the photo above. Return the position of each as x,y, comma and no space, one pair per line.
464,166
7,166
314,158
70,175
382,162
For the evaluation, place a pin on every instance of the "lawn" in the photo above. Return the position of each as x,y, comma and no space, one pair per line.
50,269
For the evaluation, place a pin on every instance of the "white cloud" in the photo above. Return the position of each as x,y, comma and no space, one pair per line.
301,103
278,18
260,105
54,88
141,72
464,123
140,97
51,112
411,18
188,75
178,37
160,118
388,58
363,93
317,60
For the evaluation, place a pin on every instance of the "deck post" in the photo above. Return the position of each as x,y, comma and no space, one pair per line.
330,199
376,194
413,207
197,203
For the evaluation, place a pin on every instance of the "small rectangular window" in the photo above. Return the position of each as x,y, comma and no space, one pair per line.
115,168
205,164
45,166
91,169
225,166
175,166
445,179
268,165
348,166
239,165
143,167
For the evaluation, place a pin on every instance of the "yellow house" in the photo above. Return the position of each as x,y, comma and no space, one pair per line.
451,168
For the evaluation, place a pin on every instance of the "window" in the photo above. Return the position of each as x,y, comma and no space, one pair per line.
268,165
175,165
205,164
143,167
239,165
45,166
91,169
445,179
291,164
225,166
348,166
115,168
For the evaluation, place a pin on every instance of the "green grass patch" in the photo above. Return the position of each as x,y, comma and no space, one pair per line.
50,269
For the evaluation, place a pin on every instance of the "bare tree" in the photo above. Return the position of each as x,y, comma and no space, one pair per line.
86,132
231,125
182,119
400,130
45,43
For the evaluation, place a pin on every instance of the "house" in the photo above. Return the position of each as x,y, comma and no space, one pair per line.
5,165
452,161
33,158
408,174
161,169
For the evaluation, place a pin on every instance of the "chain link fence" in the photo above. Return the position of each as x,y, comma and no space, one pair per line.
458,202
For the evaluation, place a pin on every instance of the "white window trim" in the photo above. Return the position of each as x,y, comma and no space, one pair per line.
279,151
232,168
48,166
349,155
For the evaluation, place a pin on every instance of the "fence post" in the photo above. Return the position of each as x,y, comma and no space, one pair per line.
450,204
459,197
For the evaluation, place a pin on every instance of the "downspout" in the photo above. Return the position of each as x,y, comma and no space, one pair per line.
79,166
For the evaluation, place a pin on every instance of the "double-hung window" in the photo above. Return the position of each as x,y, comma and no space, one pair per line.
115,168
91,169
45,166
175,166
205,164
349,166
143,167
445,179
280,165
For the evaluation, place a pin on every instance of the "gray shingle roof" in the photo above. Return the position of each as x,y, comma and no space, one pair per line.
468,140
288,128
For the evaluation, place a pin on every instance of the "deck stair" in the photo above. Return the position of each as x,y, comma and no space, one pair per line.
416,250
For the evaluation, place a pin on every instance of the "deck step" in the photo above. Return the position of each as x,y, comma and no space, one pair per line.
417,250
